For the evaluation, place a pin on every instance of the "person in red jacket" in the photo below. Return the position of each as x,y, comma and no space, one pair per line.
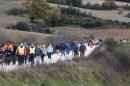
27,53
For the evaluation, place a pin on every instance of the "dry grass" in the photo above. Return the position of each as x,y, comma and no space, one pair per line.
19,35
99,33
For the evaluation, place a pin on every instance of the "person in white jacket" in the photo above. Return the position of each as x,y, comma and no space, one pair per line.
49,51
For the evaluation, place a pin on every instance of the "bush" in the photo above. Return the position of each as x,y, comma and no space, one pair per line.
49,31
17,11
123,57
23,26
111,44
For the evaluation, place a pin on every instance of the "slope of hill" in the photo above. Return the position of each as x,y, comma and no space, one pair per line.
99,33
100,69
107,15
21,36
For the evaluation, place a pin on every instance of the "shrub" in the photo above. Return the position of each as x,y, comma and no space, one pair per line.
123,57
49,31
23,26
17,11
120,10
111,44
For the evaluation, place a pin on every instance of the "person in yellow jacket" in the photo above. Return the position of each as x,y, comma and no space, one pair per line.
32,49
21,52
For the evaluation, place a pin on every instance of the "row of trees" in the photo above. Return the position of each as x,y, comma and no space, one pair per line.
124,0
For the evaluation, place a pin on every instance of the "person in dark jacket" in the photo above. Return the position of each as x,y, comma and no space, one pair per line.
57,48
62,49
75,49
82,49
1,55
38,54
68,48
14,57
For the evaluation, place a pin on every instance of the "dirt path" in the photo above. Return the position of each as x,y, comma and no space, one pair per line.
55,58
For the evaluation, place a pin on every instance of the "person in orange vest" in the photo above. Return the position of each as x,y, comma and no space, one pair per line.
8,50
21,52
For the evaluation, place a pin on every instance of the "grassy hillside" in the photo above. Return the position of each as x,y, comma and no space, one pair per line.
99,69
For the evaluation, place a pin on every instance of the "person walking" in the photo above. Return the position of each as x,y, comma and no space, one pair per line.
1,55
32,53
8,50
38,54
82,49
49,51
68,48
91,43
62,49
57,48
27,53
14,57
75,49
44,52
21,52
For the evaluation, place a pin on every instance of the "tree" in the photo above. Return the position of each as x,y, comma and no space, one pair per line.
56,12
120,11
38,9
109,4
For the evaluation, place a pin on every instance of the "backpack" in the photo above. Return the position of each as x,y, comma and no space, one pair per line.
8,50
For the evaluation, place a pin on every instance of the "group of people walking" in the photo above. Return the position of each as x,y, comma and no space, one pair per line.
34,54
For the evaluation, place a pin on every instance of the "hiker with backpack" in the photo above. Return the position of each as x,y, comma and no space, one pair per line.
21,53
57,48
82,49
49,51
62,49
32,49
44,52
68,47
38,54
14,57
26,58
75,49
8,50
1,55
91,43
